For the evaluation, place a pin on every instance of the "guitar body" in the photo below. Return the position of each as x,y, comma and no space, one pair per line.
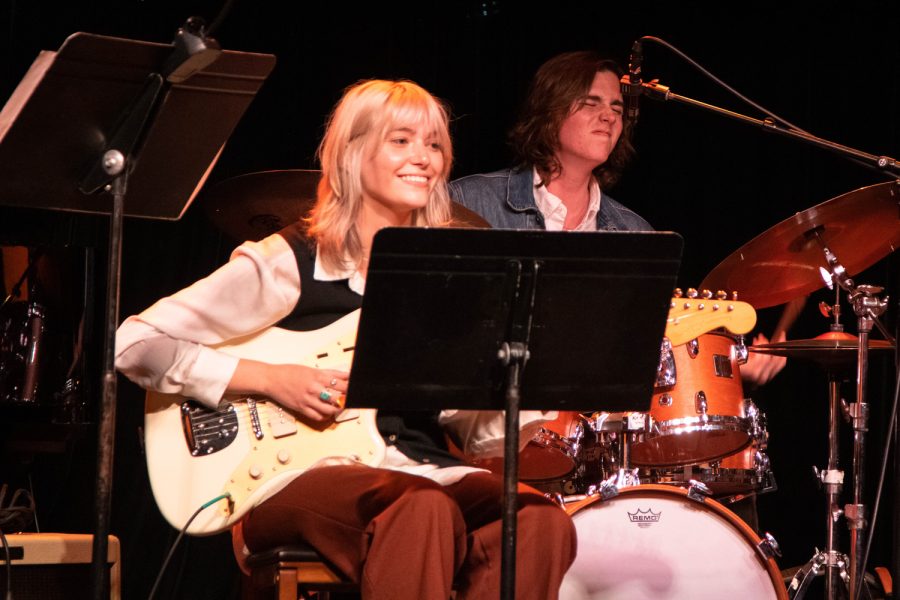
251,447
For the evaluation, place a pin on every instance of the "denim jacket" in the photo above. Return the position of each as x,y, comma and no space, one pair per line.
506,200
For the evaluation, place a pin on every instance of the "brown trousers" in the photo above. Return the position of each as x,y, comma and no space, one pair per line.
402,536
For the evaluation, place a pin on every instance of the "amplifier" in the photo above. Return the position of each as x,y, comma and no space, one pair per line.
56,566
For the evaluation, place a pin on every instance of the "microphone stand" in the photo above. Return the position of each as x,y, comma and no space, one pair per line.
883,164
866,306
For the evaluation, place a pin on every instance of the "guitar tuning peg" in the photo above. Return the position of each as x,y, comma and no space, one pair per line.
691,293
707,294
734,296
677,293
721,295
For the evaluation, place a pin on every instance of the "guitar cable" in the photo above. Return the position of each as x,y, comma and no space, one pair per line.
171,553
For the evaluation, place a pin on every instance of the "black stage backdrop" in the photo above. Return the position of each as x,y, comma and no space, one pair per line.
830,68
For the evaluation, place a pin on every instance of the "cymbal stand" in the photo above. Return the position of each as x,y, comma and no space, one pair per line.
830,560
867,307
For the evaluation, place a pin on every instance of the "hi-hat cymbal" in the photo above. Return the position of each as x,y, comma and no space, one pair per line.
859,227
828,351
252,206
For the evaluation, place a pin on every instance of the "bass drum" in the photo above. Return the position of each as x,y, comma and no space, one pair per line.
652,542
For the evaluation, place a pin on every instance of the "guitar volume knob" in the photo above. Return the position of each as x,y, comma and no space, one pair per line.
255,472
284,457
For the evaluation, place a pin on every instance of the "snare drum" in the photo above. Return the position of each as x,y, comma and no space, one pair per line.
742,473
653,542
701,417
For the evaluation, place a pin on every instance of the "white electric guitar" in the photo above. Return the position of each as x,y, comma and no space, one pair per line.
251,447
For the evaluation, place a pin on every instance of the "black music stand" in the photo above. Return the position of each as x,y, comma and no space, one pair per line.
106,114
450,318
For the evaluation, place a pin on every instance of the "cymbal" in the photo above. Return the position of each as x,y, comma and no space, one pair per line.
829,351
859,227
252,206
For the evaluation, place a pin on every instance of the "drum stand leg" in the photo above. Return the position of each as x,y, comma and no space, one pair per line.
829,560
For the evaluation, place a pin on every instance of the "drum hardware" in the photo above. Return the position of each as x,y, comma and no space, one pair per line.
861,227
768,546
20,352
697,491
693,348
731,478
665,373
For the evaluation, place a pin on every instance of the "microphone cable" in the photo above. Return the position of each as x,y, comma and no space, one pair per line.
736,93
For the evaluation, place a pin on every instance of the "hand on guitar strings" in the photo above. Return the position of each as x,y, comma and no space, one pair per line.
316,394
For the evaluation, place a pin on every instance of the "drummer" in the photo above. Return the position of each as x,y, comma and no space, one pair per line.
571,143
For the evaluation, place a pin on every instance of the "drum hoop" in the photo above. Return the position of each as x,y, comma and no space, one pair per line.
717,508
555,440
695,424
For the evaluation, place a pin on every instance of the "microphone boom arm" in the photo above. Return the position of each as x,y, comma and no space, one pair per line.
884,164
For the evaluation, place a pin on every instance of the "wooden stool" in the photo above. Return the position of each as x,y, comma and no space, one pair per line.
292,571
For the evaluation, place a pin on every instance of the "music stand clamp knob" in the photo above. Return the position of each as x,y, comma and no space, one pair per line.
113,162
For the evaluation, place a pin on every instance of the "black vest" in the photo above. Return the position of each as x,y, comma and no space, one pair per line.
415,433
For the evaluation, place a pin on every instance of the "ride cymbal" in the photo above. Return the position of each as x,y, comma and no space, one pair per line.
859,227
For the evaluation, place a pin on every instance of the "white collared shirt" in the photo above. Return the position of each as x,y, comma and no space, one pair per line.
555,211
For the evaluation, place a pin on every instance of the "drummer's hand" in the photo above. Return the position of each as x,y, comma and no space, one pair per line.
295,387
761,368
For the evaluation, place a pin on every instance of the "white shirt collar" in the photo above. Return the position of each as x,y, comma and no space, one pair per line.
355,281
554,210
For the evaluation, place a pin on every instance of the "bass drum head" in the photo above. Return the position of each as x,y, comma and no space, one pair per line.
652,542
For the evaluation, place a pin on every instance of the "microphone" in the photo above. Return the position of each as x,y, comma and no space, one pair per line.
631,83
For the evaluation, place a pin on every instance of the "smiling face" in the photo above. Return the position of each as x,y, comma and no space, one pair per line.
400,172
592,128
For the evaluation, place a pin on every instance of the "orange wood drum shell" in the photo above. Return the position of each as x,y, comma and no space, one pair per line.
680,434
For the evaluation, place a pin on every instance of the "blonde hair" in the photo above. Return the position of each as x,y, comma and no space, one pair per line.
362,118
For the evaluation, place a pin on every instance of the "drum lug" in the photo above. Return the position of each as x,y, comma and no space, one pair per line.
666,375
608,488
693,348
739,351
768,547
698,491
556,498
700,404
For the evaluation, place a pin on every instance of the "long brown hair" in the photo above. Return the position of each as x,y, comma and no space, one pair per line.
555,91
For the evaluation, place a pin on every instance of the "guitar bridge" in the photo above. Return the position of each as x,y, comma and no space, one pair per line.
207,431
